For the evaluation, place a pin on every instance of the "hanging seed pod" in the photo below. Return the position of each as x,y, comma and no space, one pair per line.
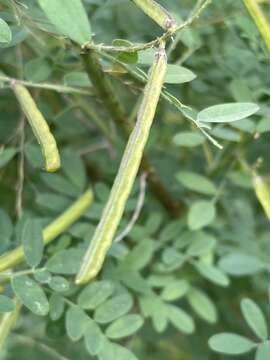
157,12
113,211
262,193
51,231
260,20
39,126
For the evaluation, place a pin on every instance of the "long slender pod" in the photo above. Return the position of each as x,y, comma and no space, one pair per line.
51,231
260,20
126,175
262,193
7,322
157,12
39,126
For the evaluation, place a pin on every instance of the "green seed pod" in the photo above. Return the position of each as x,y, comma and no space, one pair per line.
113,211
260,20
157,13
39,126
262,193
51,231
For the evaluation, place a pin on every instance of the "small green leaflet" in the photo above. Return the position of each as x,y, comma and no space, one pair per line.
174,290
59,284
125,326
231,344
177,74
114,308
263,351
69,18
238,264
112,351
202,305
65,262
196,182
93,338
57,306
32,241
76,322
201,214
95,294
31,294
180,319
255,318
5,32
188,139
227,112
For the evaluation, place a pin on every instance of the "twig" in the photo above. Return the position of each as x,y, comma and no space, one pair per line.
154,43
137,211
20,181
46,86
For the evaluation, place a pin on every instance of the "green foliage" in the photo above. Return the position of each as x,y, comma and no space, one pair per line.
193,241
234,344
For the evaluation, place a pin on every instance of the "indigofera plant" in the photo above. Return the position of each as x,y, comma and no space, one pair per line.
143,269
127,172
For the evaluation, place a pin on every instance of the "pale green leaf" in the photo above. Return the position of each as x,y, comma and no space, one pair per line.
255,318
69,18
124,326
5,32
201,214
188,139
177,74
227,112
196,182
95,294
231,344
114,308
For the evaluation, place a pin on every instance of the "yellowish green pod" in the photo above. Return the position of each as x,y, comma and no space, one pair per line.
262,193
260,20
39,126
60,224
157,12
113,211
